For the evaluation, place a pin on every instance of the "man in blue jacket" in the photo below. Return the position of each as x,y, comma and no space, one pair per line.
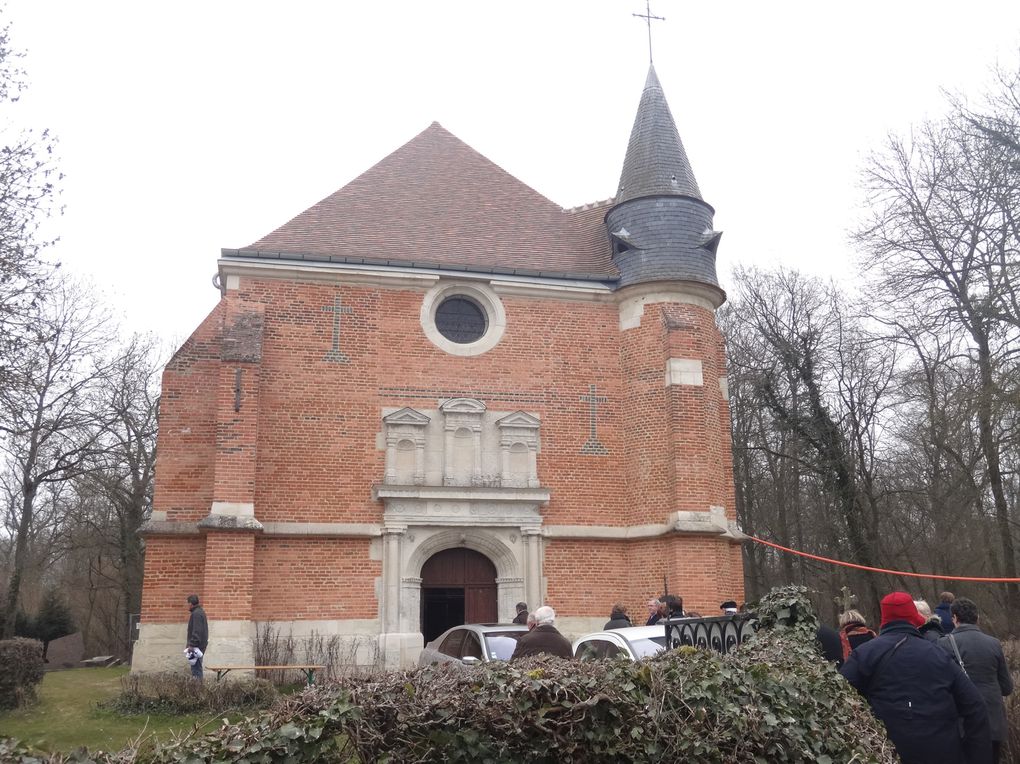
921,695
944,611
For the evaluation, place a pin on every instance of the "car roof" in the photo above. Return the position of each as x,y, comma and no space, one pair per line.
629,633
486,628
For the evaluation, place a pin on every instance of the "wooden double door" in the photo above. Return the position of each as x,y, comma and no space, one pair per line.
458,586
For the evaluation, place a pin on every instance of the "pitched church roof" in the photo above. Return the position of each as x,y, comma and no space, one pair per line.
656,163
437,203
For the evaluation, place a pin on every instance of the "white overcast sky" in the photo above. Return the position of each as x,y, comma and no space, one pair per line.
185,127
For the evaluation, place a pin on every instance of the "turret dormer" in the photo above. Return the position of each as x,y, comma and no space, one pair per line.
660,227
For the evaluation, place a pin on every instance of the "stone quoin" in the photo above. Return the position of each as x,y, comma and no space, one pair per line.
436,393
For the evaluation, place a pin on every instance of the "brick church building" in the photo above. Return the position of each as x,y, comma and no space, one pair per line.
436,393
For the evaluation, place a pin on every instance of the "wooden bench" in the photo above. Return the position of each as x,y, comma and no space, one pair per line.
307,668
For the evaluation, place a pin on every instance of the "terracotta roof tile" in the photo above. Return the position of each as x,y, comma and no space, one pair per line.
435,201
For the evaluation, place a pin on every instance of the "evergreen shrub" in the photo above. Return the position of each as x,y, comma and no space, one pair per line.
21,669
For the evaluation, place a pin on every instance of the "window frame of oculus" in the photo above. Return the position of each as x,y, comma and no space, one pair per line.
485,330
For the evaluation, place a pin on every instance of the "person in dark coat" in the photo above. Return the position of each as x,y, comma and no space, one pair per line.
931,629
656,610
618,618
921,695
522,613
198,634
853,632
544,638
984,663
674,606
943,611
829,645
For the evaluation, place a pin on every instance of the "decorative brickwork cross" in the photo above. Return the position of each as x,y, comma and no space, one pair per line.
592,445
334,354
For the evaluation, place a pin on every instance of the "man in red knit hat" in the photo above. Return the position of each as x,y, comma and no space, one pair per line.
921,694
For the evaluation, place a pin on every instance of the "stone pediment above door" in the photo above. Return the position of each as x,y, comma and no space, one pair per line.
461,443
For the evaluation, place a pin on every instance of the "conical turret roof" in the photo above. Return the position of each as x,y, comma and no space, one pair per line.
656,163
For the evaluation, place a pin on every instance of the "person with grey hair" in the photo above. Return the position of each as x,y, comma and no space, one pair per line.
932,629
544,638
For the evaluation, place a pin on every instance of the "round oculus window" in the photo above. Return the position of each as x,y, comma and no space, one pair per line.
460,319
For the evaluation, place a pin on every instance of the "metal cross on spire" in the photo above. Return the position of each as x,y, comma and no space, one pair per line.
647,16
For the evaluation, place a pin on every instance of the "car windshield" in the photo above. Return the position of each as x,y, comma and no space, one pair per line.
500,644
644,647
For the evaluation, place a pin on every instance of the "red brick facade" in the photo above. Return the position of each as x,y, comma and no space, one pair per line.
302,448
321,436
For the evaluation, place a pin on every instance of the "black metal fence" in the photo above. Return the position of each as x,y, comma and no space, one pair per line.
720,633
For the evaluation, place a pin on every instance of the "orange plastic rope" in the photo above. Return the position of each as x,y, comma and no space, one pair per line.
884,570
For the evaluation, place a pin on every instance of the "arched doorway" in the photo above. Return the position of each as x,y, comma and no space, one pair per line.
457,586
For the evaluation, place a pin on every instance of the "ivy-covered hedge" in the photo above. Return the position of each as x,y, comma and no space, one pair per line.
21,669
773,700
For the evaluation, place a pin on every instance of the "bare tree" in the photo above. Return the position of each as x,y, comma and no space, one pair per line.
51,416
27,197
115,498
942,247
825,386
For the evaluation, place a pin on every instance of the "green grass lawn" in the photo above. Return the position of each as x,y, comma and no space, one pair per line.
66,716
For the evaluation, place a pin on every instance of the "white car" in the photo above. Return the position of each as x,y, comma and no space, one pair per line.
473,643
633,642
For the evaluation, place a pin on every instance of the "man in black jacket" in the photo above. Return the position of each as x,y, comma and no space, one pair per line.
544,638
984,663
919,692
198,634
522,613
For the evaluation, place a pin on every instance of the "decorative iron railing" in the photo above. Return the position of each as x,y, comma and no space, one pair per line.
720,633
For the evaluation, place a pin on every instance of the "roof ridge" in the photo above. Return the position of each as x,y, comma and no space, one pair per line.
590,205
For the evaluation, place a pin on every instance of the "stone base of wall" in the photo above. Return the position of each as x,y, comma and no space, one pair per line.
573,627
400,650
160,646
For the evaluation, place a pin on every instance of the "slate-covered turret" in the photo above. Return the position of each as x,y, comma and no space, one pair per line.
660,227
